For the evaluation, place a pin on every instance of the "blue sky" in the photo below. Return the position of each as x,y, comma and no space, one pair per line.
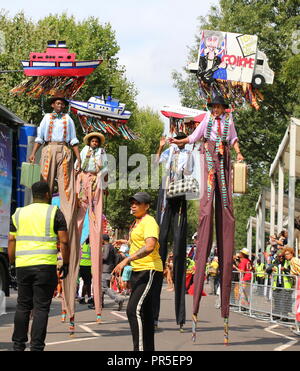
154,36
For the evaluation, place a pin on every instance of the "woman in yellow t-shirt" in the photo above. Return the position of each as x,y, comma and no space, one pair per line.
147,270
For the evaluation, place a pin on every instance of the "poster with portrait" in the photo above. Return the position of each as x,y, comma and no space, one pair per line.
5,182
227,56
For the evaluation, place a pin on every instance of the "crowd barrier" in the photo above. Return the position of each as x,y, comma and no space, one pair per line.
259,298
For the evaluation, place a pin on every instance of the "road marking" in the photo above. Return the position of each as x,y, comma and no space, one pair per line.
87,329
118,314
284,346
70,341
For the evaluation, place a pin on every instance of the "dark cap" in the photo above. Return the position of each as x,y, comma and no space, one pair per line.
218,99
180,135
141,197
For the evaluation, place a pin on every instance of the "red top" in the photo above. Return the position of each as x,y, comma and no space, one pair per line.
245,266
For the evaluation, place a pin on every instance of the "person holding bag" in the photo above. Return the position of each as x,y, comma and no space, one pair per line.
147,270
172,213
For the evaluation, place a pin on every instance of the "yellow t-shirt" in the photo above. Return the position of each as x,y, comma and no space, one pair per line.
146,228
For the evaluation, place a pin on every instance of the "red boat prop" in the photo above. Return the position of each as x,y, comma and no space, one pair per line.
55,71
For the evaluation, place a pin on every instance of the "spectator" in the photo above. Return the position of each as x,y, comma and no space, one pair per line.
147,272
110,259
282,285
289,254
85,273
260,271
245,267
190,271
214,274
169,272
282,238
236,277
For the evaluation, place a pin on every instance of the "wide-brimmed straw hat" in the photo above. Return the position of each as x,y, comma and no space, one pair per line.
87,138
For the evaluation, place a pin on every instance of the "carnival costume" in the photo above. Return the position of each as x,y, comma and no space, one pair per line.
89,186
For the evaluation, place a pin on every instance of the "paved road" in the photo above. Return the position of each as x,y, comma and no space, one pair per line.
245,334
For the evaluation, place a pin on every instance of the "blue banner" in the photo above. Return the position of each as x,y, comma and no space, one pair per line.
5,182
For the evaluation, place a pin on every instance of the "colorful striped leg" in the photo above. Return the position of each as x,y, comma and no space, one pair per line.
98,319
63,316
72,325
194,327
226,331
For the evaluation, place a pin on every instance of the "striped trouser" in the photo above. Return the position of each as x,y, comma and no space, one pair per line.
139,309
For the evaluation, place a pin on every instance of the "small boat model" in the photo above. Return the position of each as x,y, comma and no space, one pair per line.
58,61
100,107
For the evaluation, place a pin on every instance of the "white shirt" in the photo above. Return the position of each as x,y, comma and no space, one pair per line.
58,130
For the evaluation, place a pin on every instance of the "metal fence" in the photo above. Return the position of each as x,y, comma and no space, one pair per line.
259,298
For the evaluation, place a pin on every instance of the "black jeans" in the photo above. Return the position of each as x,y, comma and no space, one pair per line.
36,285
140,309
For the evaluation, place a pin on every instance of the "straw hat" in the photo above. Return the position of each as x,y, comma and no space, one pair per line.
94,134
245,251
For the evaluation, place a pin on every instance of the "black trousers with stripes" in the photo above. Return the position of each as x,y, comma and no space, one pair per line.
140,308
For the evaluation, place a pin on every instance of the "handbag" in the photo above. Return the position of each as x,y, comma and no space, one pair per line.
180,187
30,174
240,177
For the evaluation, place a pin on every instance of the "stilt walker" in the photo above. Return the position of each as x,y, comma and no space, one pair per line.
57,133
218,133
172,213
89,185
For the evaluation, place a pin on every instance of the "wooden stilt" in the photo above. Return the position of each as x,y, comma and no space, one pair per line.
194,327
226,331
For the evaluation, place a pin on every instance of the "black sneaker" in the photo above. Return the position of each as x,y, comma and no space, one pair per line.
81,301
90,301
91,306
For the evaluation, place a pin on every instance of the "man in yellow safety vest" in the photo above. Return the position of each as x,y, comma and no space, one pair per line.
34,233
85,272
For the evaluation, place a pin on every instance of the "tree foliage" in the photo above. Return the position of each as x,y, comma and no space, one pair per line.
89,39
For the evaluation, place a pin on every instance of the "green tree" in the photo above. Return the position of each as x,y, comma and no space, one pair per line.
89,39
275,23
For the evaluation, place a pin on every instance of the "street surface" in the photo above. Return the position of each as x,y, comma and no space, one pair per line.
245,333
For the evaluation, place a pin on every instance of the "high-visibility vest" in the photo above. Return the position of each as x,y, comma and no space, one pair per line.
287,280
36,241
85,259
260,270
